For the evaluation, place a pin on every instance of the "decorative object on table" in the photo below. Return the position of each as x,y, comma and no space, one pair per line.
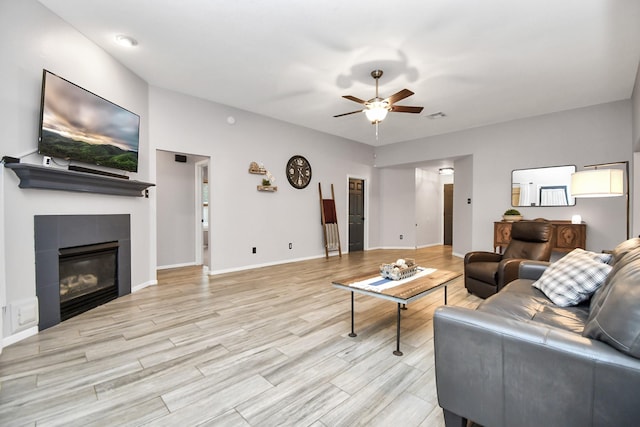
298,172
401,269
511,215
329,220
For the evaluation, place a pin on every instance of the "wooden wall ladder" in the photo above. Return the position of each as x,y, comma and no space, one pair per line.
329,220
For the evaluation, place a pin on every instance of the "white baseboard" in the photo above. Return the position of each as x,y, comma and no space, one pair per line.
186,264
266,264
143,285
12,339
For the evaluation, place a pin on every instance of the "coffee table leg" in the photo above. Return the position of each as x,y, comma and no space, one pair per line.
352,334
445,294
397,351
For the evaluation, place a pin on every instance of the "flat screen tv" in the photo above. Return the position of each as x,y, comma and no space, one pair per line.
79,125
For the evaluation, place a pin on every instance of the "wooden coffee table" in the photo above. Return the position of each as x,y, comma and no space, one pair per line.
402,292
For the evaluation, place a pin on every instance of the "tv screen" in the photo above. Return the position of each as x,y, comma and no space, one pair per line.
79,125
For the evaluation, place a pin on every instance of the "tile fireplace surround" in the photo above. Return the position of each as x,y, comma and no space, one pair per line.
53,232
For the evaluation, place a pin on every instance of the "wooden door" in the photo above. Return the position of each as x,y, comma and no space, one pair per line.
448,214
356,214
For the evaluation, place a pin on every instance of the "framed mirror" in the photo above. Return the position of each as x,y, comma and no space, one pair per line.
546,186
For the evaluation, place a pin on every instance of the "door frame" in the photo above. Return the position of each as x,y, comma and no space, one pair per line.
199,166
365,242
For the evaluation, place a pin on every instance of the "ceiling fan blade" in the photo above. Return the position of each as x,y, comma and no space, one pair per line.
406,109
354,99
404,93
346,114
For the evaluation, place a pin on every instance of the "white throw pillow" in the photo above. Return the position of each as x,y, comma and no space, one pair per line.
574,278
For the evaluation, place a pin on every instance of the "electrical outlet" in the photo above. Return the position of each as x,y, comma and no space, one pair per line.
401,237
46,161
254,250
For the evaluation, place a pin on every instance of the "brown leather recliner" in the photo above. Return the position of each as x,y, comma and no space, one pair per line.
485,273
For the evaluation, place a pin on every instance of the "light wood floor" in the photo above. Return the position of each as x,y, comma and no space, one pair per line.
265,347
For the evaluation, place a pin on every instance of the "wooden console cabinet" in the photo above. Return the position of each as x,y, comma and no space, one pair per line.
568,236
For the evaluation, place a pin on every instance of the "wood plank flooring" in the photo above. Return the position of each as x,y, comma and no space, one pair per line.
262,347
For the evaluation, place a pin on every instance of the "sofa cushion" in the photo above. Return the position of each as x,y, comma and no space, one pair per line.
624,248
622,258
574,278
617,321
521,301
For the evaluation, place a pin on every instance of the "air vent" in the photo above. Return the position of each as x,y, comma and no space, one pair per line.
437,115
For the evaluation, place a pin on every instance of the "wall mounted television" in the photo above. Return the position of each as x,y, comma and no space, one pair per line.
78,125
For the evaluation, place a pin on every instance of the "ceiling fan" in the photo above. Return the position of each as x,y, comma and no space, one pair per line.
376,109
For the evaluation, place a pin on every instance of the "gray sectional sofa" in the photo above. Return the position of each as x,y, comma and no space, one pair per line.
520,359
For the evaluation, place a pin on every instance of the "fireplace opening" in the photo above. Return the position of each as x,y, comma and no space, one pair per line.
88,277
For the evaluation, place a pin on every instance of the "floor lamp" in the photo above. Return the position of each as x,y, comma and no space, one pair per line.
602,183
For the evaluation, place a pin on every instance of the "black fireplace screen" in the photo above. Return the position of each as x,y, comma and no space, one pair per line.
88,277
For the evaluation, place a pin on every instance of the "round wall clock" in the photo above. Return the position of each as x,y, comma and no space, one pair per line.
298,172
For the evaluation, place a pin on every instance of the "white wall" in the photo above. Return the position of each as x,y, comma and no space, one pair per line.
32,39
241,216
597,134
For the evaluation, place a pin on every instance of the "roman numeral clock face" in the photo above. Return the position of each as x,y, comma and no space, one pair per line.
298,172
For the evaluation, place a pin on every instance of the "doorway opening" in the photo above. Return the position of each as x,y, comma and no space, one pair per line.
181,214
356,214
202,213
447,238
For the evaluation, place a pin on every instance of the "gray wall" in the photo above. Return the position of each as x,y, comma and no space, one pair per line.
398,208
429,208
465,215
584,136
635,102
241,216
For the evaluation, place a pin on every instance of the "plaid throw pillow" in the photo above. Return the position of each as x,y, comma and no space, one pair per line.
574,278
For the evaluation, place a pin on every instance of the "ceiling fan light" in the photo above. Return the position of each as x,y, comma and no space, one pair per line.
377,111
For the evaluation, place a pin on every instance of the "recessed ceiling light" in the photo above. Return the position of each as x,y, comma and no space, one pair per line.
126,41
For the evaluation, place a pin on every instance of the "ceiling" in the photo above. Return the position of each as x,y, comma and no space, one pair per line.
478,62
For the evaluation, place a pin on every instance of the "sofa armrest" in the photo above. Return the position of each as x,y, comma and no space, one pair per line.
532,270
508,271
506,372
482,256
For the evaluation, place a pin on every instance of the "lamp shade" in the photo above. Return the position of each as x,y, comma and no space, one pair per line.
597,183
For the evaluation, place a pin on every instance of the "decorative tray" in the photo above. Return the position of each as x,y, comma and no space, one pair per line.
401,269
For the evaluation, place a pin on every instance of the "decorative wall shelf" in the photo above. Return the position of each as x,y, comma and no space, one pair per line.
267,188
49,178
255,168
